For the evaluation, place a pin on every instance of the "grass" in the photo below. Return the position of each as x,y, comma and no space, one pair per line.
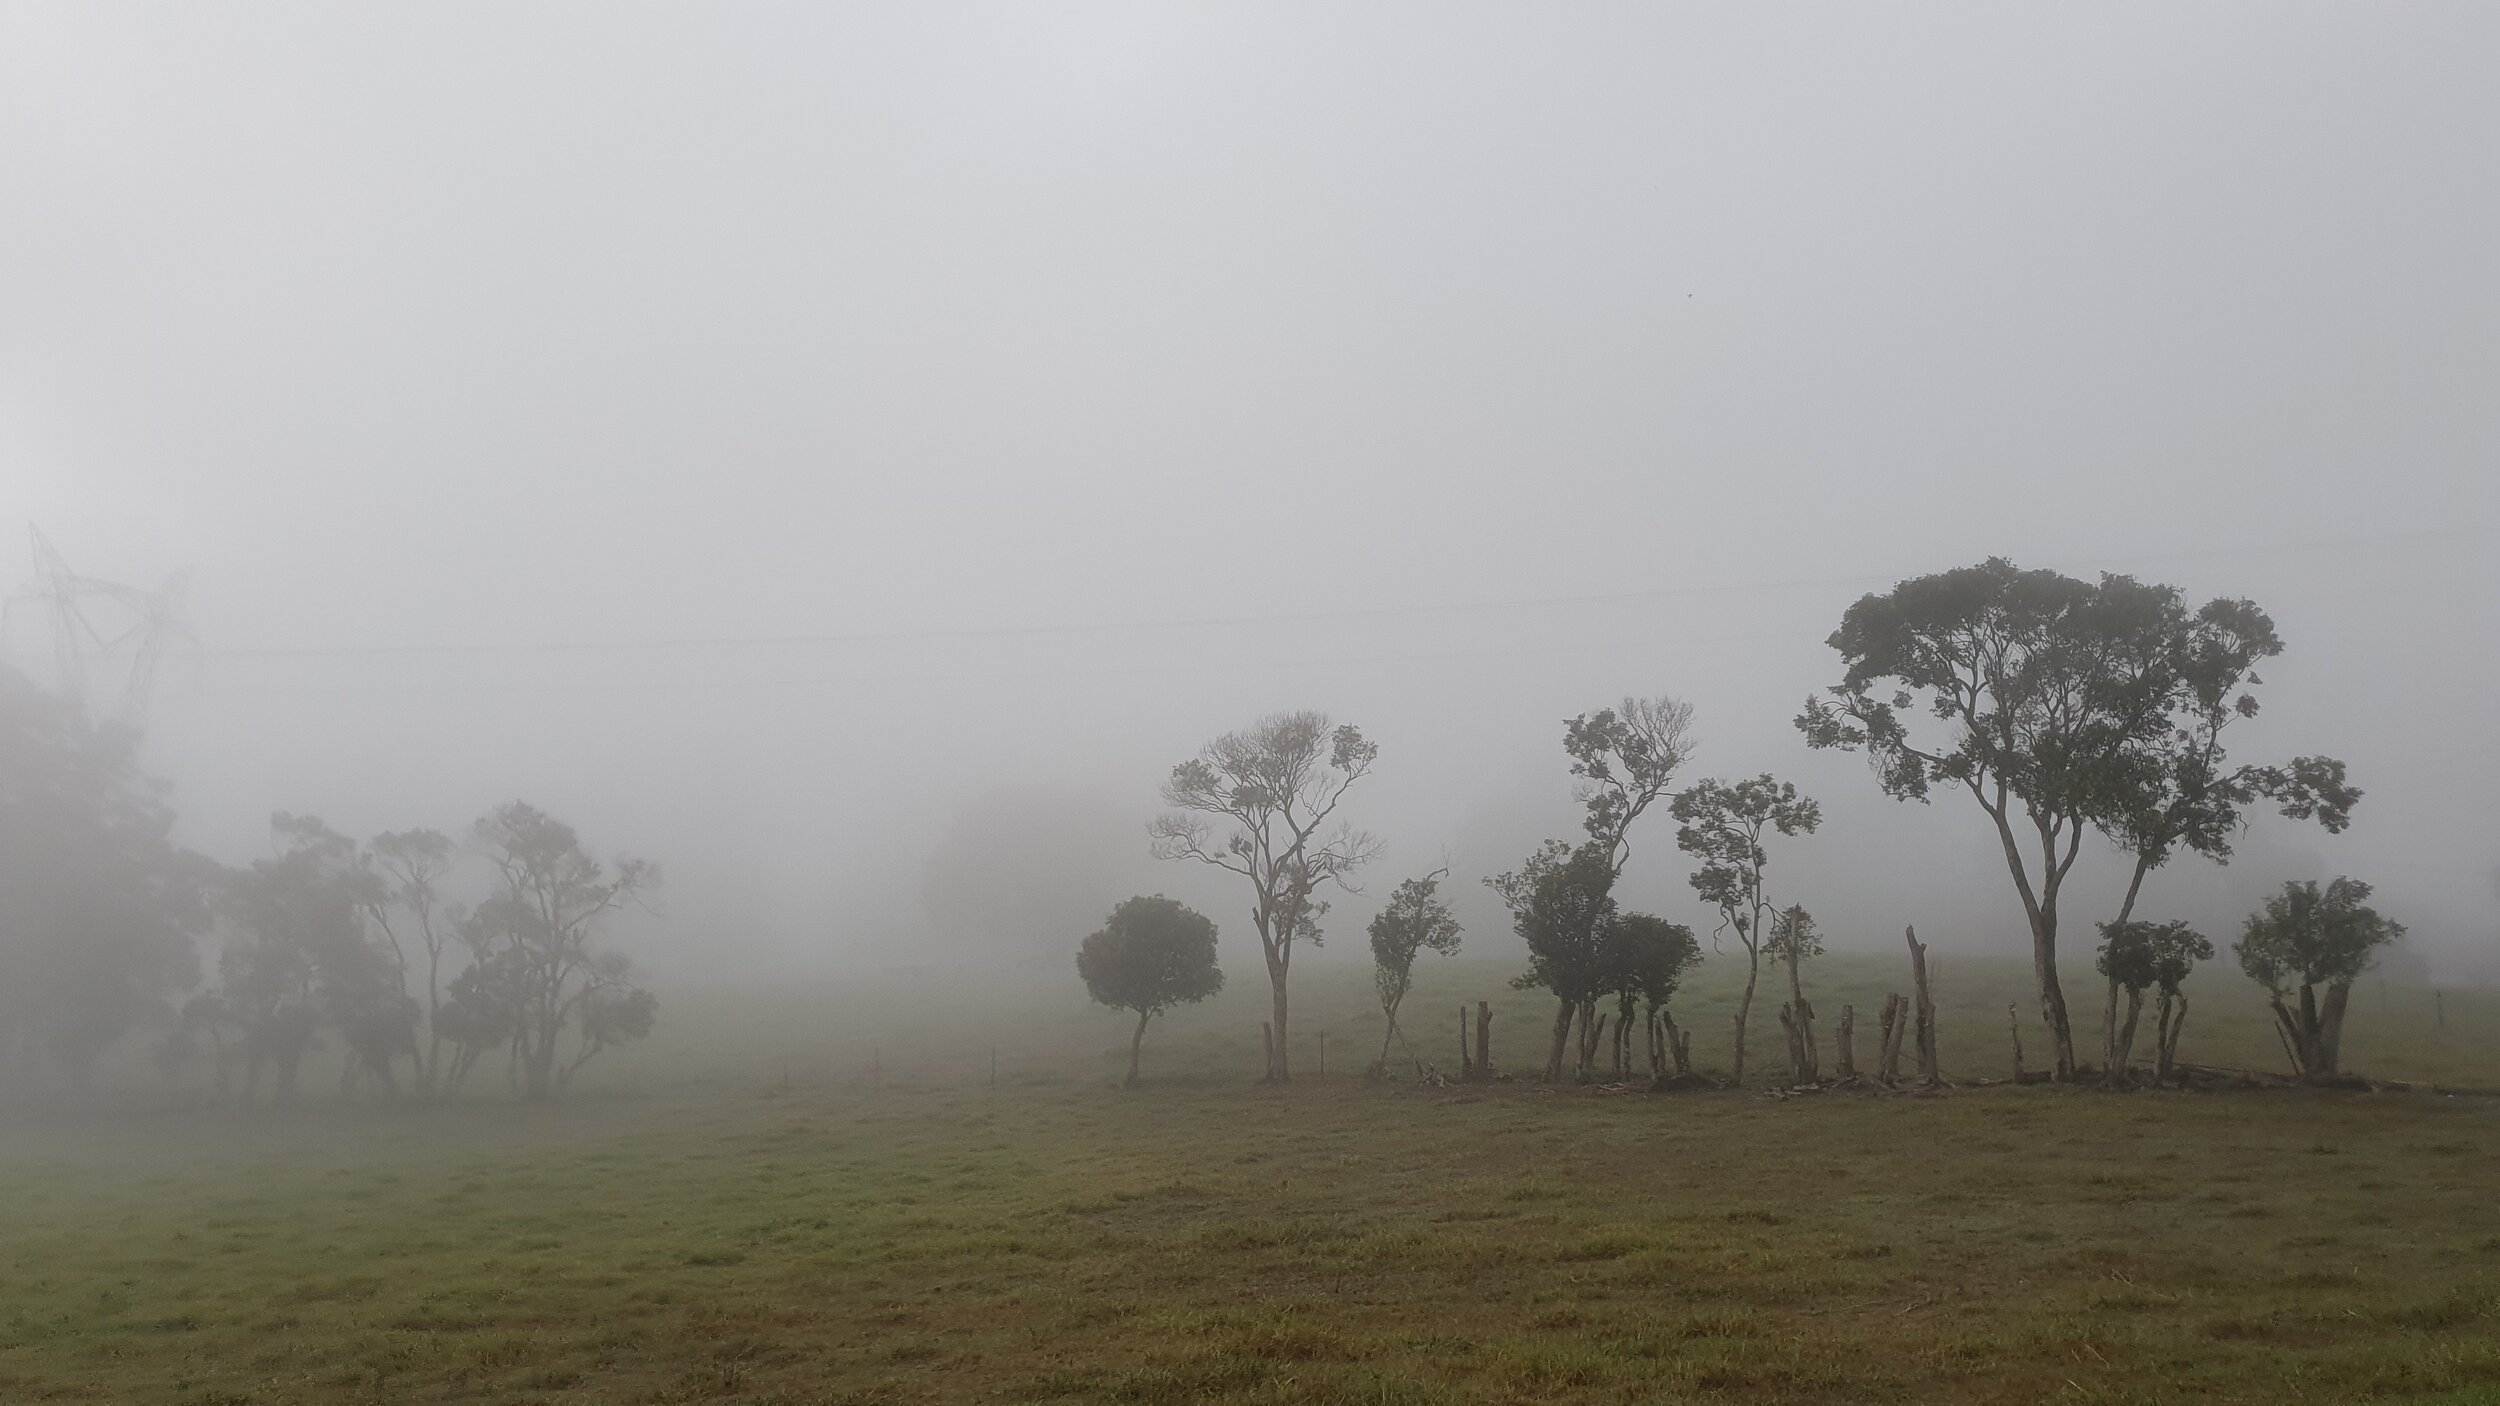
827,1202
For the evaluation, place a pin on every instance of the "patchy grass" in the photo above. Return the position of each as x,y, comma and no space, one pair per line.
887,1227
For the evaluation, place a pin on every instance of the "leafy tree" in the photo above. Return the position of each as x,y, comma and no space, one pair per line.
2306,937
2138,956
540,922
302,957
412,865
1273,789
1722,824
1150,955
1793,940
2048,692
1642,960
98,906
482,1008
1415,920
1560,899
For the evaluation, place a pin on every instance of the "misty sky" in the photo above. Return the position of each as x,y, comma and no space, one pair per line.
548,399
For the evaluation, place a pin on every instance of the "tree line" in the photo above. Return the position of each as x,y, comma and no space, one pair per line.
2059,706
413,955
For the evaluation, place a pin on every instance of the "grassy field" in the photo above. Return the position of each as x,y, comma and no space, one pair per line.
820,1197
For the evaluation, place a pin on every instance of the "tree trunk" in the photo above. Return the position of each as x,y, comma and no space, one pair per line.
1796,1052
1134,1041
1846,1055
1888,1044
1466,1071
1484,1037
1744,1007
2111,1062
2123,1051
2167,1022
1267,1039
1926,1013
2331,1027
1808,1058
1278,1071
1592,1033
1565,1008
1679,1042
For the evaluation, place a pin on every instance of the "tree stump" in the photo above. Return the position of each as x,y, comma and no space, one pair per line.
1926,1010
1484,1038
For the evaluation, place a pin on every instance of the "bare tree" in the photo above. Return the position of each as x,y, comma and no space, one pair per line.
1262,803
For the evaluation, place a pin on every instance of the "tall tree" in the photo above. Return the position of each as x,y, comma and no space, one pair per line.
541,920
1262,803
1151,954
2304,938
1722,824
412,865
98,906
1415,920
2046,689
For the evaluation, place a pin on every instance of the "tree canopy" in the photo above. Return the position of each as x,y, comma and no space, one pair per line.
1151,954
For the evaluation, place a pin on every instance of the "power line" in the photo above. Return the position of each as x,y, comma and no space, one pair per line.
1207,622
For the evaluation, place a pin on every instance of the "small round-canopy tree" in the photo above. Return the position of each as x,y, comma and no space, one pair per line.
2137,956
1152,953
2310,937
1415,920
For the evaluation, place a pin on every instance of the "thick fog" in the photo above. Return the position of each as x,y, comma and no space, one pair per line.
848,454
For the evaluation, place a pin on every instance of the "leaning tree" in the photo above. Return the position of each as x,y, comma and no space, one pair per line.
2044,691
1723,824
2304,938
1151,954
1415,920
1262,803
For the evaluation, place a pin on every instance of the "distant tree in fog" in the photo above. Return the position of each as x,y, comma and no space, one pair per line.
1261,803
300,957
98,907
1416,919
533,939
2306,938
1722,824
411,865
1150,955
1561,898
1015,869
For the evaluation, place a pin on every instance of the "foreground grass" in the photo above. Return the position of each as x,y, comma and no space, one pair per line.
889,1234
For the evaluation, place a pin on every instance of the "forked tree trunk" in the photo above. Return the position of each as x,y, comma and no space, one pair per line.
1846,1056
2168,1016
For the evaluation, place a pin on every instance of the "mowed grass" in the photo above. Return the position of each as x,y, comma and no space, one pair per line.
821,1198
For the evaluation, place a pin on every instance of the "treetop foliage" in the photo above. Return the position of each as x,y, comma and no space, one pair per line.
1152,953
2308,936
2142,956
